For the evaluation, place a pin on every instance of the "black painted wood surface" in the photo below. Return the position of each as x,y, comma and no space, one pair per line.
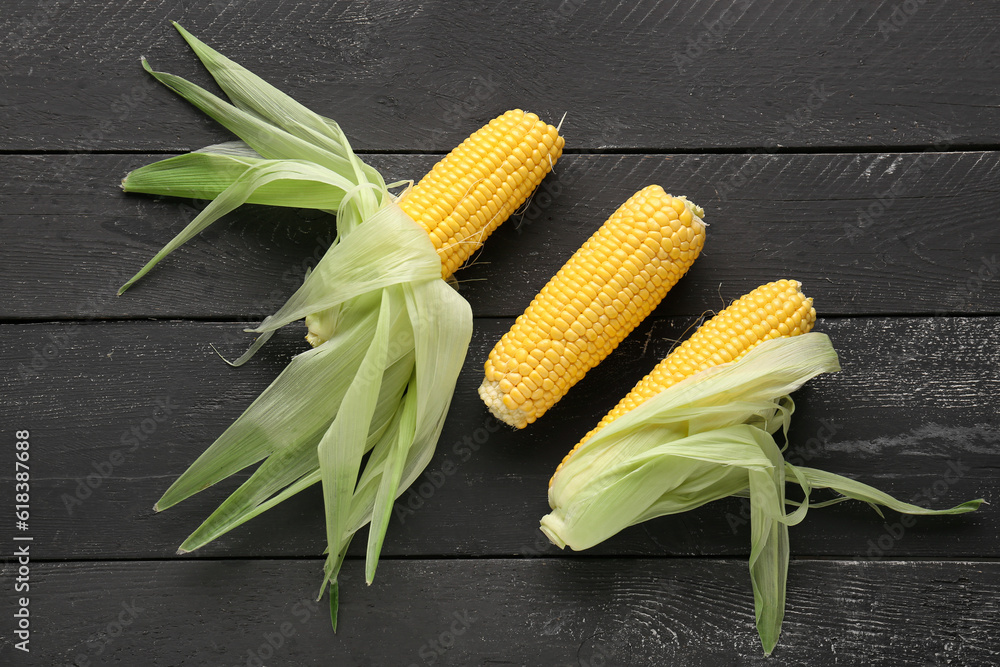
883,233
563,612
888,418
637,75
851,146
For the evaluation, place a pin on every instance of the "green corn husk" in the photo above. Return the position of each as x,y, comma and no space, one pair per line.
703,439
391,335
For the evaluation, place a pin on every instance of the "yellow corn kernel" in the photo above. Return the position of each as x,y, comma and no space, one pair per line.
481,182
772,310
594,301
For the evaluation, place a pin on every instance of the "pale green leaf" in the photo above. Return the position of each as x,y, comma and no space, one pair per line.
278,478
343,445
332,365
269,140
231,148
390,250
395,334
297,407
442,329
769,541
768,556
235,195
194,175
690,471
820,479
207,175
392,471
253,94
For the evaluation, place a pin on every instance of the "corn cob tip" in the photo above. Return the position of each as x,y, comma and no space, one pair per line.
321,326
493,398
698,211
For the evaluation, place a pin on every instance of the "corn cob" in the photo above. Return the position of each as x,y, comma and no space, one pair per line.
470,192
605,289
481,182
776,309
701,427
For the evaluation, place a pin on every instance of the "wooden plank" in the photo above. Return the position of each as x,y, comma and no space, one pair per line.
866,234
647,75
129,405
565,612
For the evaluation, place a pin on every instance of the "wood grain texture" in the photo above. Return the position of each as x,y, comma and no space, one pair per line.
562,613
867,234
129,405
401,76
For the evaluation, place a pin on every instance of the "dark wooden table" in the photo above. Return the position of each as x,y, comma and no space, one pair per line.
853,146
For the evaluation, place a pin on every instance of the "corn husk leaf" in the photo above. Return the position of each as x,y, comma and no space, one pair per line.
343,445
391,469
390,253
201,175
286,422
855,490
256,96
769,541
280,173
391,336
267,139
232,149
442,324
271,125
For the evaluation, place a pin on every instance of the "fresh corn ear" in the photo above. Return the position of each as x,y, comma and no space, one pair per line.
595,300
708,436
772,310
362,412
481,182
